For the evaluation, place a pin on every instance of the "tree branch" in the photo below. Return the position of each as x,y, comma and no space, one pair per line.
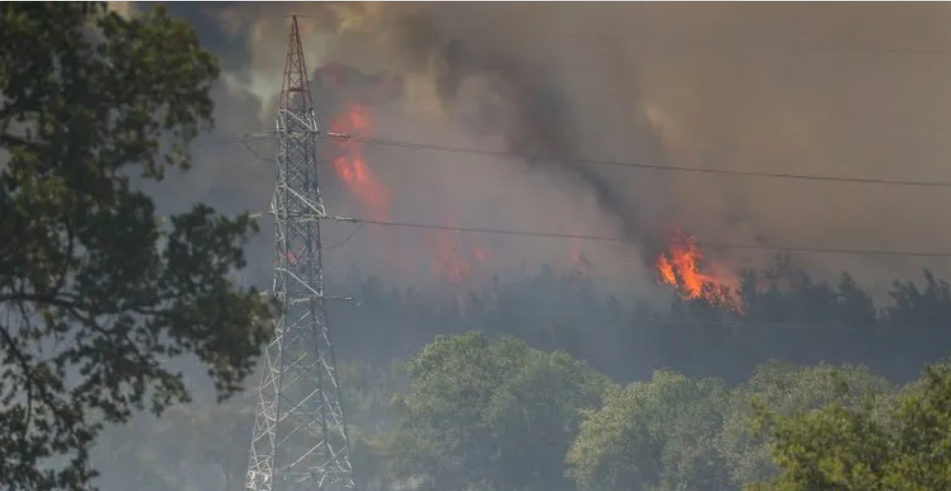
11,141
49,400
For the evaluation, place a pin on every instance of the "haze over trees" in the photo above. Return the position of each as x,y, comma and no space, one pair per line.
538,383
471,412
488,410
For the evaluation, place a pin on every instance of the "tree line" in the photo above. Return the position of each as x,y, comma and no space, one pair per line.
784,313
475,412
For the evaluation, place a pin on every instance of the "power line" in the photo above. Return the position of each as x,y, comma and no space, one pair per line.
655,167
615,239
242,138
604,238
750,174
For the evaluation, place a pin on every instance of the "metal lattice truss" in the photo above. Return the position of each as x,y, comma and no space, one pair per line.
300,438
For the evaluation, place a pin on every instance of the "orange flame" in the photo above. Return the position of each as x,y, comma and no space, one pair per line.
480,255
351,167
453,261
681,266
579,261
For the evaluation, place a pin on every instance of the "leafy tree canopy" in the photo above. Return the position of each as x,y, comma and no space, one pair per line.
786,389
489,415
653,435
96,293
484,415
902,445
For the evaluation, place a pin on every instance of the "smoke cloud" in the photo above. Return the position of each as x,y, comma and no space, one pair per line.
840,89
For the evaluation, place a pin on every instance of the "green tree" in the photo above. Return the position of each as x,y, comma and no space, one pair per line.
95,292
367,392
190,447
127,453
833,449
921,437
216,437
901,444
368,389
785,389
483,414
203,445
654,435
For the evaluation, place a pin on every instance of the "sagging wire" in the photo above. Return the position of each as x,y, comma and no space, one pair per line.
347,239
255,154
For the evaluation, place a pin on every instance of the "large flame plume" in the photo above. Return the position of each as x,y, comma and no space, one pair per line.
350,165
683,266
453,260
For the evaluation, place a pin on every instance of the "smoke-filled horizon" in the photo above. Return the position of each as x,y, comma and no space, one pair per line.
798,88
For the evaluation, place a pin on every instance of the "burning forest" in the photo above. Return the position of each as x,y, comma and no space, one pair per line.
455,258
433,75
452,258
684,267
543,200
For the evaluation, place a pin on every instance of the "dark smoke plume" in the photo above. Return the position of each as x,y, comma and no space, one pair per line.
841,89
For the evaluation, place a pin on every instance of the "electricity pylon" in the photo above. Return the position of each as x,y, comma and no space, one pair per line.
300,439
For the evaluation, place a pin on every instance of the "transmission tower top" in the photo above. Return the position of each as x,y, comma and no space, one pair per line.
300,440
295,88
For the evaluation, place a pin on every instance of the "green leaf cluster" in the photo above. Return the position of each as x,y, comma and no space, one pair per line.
97,292
902,444
489,413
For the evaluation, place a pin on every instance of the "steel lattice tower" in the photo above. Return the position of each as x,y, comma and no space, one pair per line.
300,438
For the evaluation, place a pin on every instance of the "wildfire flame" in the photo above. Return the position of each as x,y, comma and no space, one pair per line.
682,267
350,165
579,262
451,259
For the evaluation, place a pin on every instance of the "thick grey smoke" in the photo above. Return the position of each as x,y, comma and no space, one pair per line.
842,89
